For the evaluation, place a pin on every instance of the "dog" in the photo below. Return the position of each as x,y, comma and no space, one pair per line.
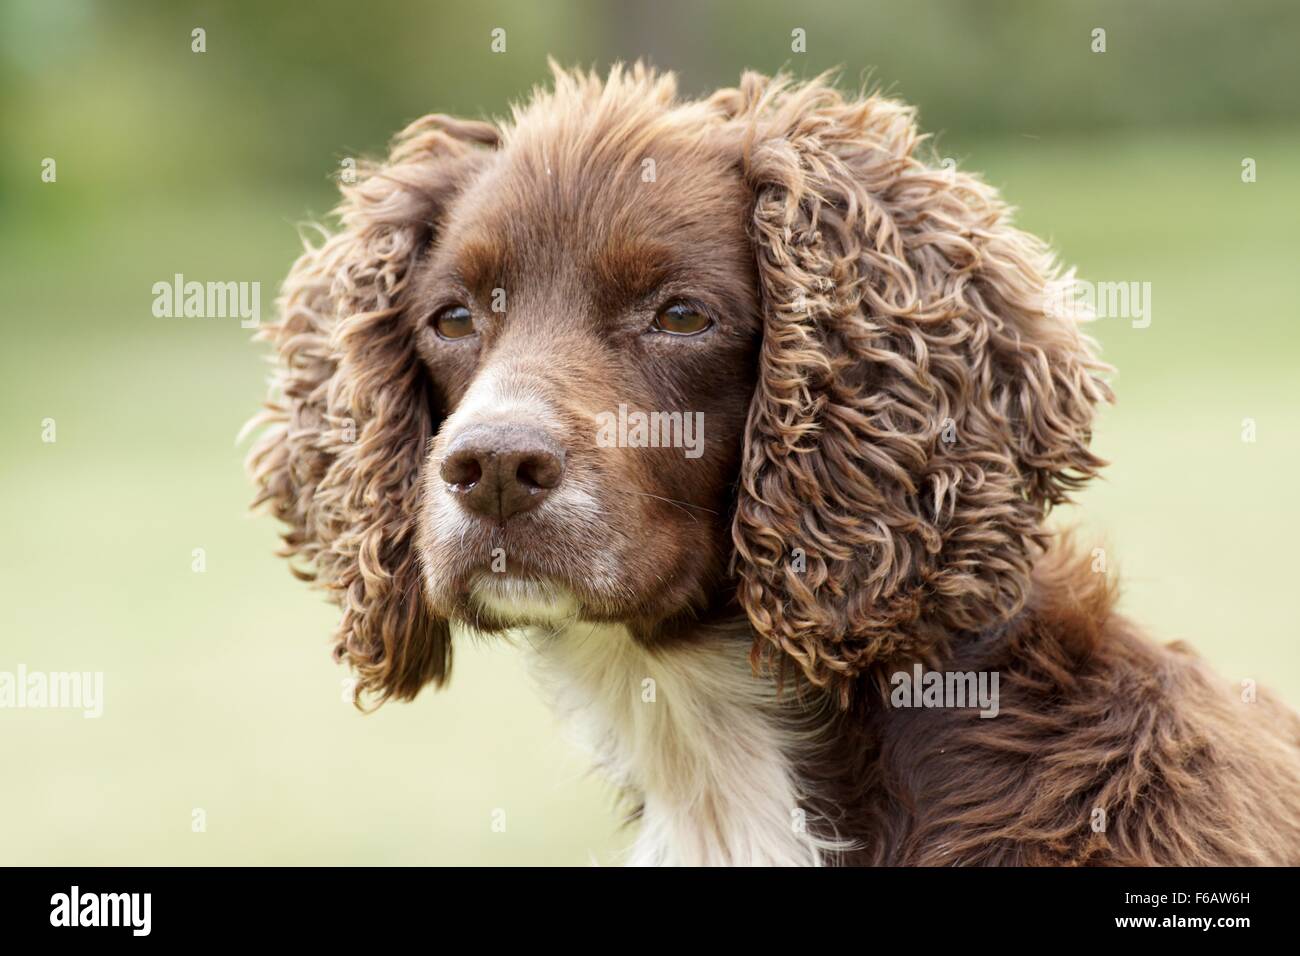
485,380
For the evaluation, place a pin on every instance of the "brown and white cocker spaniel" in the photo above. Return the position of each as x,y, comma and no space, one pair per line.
753,417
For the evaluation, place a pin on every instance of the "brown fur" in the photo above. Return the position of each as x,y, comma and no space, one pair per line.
1097,725
892,405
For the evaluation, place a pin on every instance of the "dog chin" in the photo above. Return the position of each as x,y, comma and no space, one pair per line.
516,602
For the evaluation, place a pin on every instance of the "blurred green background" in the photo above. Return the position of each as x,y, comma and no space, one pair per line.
220,694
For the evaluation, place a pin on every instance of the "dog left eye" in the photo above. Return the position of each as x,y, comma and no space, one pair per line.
453,322
681,318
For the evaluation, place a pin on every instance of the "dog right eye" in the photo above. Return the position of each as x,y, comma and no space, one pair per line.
453,322
681,318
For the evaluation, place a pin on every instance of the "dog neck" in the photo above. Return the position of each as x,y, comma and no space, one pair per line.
699,745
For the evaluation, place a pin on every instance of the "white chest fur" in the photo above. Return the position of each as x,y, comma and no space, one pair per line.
693,733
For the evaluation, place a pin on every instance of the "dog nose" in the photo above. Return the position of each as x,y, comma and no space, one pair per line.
502,470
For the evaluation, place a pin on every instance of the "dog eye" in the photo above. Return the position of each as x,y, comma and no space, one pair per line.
453,322
682,318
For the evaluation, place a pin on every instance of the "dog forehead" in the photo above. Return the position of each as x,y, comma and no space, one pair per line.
617,216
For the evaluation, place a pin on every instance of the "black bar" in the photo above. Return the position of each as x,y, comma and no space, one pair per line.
337,906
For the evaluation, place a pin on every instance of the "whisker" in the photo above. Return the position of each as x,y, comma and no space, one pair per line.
672,501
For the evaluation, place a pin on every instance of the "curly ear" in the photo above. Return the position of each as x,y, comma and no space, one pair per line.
920,405
350,414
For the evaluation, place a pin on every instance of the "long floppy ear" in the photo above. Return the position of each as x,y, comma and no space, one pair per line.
920,404
350,413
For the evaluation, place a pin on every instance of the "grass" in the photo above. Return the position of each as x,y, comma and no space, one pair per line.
219,690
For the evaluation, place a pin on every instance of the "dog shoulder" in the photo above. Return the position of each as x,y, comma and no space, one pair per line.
1106,749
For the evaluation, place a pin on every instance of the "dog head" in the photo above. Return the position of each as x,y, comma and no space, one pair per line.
625,358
